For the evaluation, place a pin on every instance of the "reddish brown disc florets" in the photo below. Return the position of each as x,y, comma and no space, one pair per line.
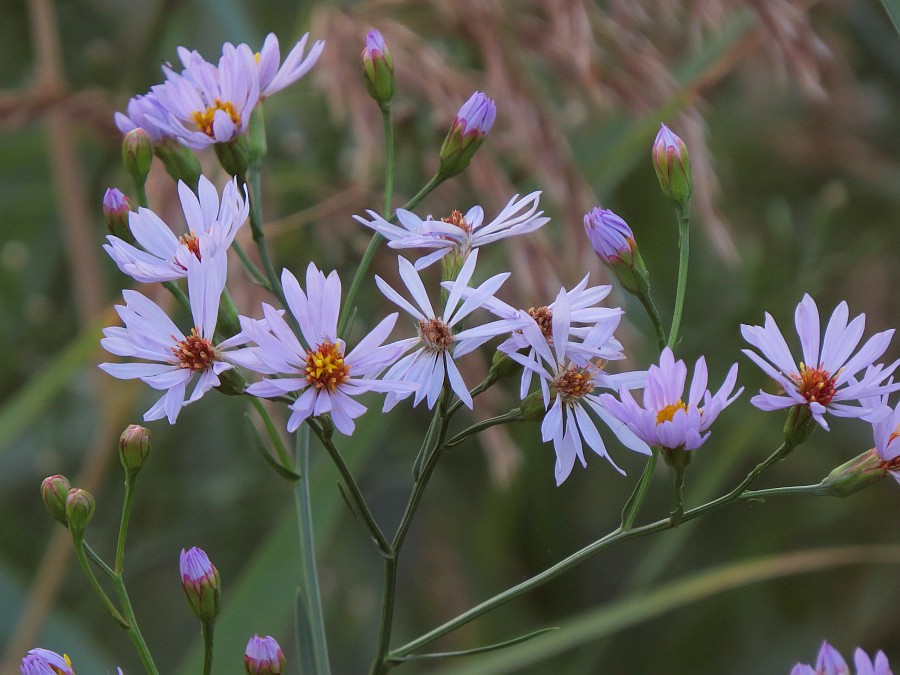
816,385
574,382
326,368
194,352
436,335
458,219
543,316
192,242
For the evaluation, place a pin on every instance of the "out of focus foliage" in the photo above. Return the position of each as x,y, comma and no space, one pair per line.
792,119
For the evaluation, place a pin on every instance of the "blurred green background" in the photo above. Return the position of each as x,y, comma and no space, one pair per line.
790,111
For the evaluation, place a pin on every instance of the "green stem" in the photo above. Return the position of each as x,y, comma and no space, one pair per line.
123,523
512,416
682,213
283,455
366,261
257,276
817,490
678,513
388,126
179,294
653,313
206,628
252,180
615,537
636,500
141,194
92,580
313,647
134,632
480,388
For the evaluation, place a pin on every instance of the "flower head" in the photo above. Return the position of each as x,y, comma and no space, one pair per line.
322,369
438,345
164,256
274,75
665,418
172,359
473,121
825,380
263,656
378,68
115,211
673,167
575,379
200,581
610,236
45,662
458,233
830,662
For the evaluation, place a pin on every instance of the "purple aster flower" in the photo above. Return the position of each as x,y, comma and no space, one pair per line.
458,233
886,430
829,662
172,358
467,133
865,666
45,662
320,370
273,78
164,256
574,381
437,346
263,656
665,419
610,236
200,581
825,379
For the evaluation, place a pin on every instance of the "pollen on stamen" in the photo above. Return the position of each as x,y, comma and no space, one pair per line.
458,219
543,316
816,385
194,352
436,335
191,242
326,368
668,413
204,119
575,382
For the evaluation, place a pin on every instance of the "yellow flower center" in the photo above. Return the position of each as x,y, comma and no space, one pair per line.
325,367
815,384
204,119
667,413
194,352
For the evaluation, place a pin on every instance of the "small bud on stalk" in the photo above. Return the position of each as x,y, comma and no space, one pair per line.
614,244
473,121
673,166
263,656
378,68
200,580
532,408
115,213
134,447
80,507
855,475
54,490
137,154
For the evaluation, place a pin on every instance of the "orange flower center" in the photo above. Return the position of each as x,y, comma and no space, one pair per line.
575,382
815,384
204,119
458,219
194,352
667,413
543,316
192,242
436,335
325,367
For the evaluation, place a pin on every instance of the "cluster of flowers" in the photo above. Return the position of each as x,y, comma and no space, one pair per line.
830,662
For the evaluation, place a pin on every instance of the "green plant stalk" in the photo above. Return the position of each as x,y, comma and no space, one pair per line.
511,416
80,553
636,500
134,632
179,294
682,213
283,455
388,125
653,313
123,523
615,537
366,261
254,272
678,513
141,194
252,180
480,388
817,490
314,655
206,628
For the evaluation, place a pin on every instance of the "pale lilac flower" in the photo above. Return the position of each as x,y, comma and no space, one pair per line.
610,236
825,379
40,661
575,381
114,201
144,112
830,662
886,430
320,370
273,78
437,346
263,656
458,233
865,666
665,419
174,358
164,256
476,116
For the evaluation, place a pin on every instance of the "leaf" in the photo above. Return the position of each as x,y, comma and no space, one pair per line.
258,443
480,650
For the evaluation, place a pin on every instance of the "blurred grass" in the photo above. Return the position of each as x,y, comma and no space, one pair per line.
810,193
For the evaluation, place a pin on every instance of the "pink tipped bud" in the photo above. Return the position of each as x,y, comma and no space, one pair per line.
473,121
378,68
54,490
134,447
673,166
855,475
263,656
614,244
137,154
200,580
43,661
80,506
115,212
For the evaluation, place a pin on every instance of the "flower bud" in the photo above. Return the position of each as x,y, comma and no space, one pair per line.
798,426
378,68
614,244
263,656
134,447
115,213
503,366
137,154
54,490
855,475
471,125
80,506
39,661
200,580
180,162
673,166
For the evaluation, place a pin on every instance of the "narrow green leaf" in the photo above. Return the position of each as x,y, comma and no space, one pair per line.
892,7
260,446
479,650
